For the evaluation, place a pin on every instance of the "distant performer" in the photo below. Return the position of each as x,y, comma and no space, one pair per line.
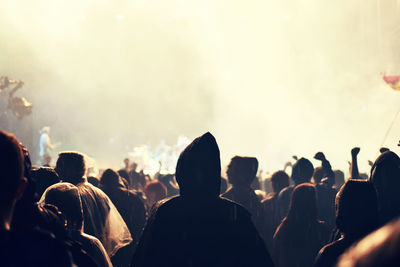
45,146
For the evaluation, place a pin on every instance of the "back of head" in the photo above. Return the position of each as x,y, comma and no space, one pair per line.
318,174
385,176
44,177
110,179
66,198
198,171
279,180
71,167
302,171
242,170
11,168
156,189
303,204
356,208
339,179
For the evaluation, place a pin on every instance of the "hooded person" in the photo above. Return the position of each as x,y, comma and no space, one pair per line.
385,176
241,173
356,217
302,171
65,197
101,218
197,227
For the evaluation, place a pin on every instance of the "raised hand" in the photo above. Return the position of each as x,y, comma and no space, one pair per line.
320,156
355,151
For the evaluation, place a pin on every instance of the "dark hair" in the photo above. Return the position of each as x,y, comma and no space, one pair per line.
303,205
71,167
302,171
279,180
11,166
110,178
44,177
156,187
242,170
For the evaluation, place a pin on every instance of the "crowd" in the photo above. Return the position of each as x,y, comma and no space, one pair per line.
312,217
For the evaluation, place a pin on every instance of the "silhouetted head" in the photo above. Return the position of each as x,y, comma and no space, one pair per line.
242,170
318,174
198,171
12,183
110,179
71,167
66,198
385,176
155,191
302,171
44,177
303,204
279,180
356,208
339,179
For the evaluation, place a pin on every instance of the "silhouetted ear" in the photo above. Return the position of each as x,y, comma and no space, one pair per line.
21,188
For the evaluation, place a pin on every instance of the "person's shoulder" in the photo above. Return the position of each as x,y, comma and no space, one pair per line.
285,192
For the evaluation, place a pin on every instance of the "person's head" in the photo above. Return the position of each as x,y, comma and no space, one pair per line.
198,171
44,177
356,208
302,171
339,179
12,181
110,179
318,174
380,248
126,163
66,198
155,191
45,129
71,167
303,204
279,180
242,170
385,176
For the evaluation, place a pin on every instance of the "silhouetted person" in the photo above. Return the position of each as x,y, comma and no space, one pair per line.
385,176
198,228
325,193
44,177
26,247
302,172
378,249
356,216
101,218
279,180
65,197
300,235
131,208
241,173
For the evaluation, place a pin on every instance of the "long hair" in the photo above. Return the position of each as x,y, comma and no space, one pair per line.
303,205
